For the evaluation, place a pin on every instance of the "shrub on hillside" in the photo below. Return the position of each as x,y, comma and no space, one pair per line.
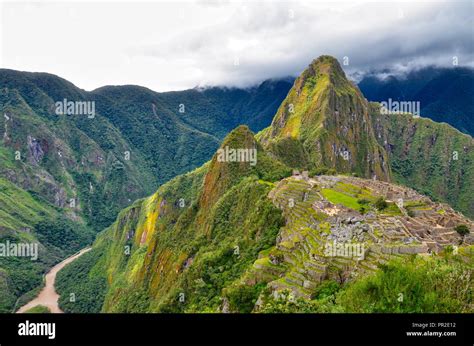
381,203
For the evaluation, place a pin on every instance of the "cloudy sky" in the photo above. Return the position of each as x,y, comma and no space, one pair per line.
182,44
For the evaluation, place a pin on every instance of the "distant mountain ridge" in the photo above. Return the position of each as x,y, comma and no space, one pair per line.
445,94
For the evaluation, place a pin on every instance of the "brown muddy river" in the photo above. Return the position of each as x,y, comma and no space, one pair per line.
48,296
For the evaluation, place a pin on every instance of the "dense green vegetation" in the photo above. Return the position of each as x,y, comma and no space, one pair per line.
57,235
7,297
18,208
413,285
64,235
322,171
19,276
221,248
381,204
66,161
197,243
137,139
218,265
81,290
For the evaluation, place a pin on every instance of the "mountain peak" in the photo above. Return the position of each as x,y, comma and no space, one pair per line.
234,159
324,121
325,64
327,70
241,135
239,156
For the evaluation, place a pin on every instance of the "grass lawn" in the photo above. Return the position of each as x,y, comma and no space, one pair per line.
336,197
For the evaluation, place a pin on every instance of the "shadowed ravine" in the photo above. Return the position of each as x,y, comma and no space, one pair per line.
48,296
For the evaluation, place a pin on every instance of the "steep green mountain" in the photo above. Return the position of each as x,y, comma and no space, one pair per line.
324,121
26,218
242,235
154,131
67,176
445,94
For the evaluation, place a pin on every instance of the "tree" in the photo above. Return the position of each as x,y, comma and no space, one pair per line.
463,230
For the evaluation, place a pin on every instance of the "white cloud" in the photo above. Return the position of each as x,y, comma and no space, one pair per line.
178,45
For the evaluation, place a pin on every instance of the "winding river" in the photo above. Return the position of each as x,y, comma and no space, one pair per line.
48,296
